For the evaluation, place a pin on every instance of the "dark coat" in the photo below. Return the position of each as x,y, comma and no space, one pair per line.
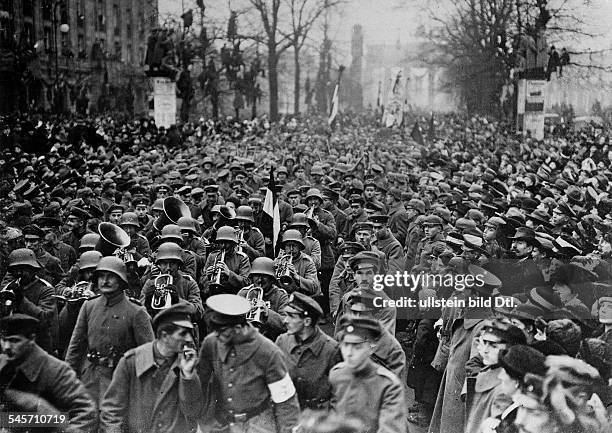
324,230
309,364
244,376
373,395
132,400
398,222
49,383
108,326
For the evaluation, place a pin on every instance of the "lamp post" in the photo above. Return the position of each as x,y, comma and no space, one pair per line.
64,28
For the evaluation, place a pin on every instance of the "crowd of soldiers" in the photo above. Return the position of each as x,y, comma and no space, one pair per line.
142,288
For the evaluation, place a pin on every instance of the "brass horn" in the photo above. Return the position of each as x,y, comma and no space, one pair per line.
255,297
174,209
162,293
112,237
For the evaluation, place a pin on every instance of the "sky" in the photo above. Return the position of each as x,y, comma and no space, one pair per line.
387,21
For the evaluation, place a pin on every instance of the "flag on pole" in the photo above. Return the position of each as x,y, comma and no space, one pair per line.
335,99
416,134
271,224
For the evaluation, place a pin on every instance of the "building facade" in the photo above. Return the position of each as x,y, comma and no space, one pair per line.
54,51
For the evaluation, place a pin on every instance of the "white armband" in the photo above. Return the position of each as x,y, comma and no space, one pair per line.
282,390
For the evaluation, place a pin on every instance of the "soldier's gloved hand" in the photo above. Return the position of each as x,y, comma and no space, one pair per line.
144,262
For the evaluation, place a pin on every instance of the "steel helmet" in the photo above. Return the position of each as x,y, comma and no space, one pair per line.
263,266
171,231
89,240
227,233
113,264
314,192
293,236
169,251
244,213
227,212
129,219
89,259
23,257
186,224
299,220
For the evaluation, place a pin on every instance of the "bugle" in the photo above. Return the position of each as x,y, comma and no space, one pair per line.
162,293
215,285
255,296
283,270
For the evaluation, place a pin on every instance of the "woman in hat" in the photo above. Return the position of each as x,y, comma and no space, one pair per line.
515,363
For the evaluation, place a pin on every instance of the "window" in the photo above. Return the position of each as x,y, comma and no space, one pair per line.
47,10
128,20
117,52
48,35
101,16
81,13
82,54
28,8
117,19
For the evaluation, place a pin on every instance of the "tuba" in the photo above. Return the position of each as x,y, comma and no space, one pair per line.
283,271
112,237
81,291
173,209
162,294
215,284
255,297
7,298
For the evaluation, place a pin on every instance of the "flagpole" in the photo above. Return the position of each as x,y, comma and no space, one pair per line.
335,99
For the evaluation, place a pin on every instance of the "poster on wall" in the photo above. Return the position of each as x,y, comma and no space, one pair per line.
534,103
164,101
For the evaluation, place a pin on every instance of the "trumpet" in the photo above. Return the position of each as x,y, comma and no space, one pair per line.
283,270
240,236
8,298
215,284
255,296
81,291
124,254
162,294
310,212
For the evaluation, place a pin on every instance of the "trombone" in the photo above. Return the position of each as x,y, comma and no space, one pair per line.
162,293
215,284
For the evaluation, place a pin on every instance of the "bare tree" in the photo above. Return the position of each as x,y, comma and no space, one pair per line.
304,14
479,41
276,44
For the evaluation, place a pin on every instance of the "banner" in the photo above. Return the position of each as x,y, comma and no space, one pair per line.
164,101
535,98
394,108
